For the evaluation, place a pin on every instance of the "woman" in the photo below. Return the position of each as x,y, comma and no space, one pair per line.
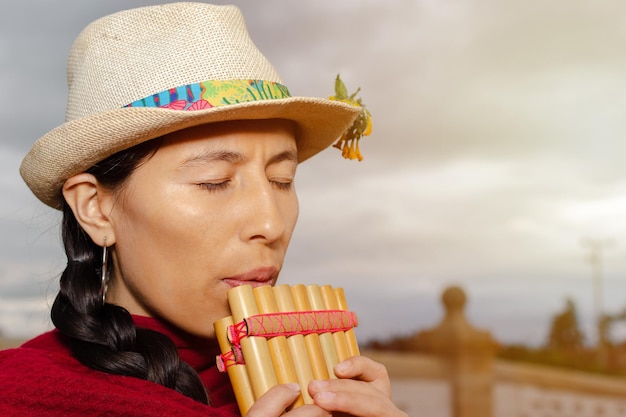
174,171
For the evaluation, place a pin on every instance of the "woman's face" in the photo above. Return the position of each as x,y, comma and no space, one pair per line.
213,208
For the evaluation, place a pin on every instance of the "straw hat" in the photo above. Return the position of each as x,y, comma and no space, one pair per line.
139,74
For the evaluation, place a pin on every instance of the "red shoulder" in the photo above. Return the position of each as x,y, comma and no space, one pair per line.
42,378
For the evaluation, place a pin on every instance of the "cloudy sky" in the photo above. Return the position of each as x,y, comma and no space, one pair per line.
498,145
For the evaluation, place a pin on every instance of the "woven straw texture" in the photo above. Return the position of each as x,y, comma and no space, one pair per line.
135,53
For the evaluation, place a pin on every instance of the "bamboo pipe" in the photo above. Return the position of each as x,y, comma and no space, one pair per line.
237,373
297,345
312,341
279,349
353,345
339,338
255,349
326,339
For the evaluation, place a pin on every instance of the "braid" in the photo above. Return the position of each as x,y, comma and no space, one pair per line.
104,337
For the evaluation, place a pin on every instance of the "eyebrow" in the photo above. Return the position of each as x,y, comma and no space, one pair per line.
235,158
213,156
290,155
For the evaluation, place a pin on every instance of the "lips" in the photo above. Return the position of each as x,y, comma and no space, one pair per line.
255,277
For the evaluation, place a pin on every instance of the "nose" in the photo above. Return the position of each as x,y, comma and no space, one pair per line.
263,214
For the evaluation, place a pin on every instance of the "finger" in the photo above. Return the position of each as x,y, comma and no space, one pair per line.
365,369
307,410
359,400
349,386
274,401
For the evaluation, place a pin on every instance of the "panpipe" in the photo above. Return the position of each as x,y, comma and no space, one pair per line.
283,334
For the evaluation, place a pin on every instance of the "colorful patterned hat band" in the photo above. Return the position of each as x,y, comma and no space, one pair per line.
216,93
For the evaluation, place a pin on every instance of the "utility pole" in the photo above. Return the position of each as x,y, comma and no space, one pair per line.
596,248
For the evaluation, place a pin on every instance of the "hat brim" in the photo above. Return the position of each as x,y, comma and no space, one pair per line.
77,145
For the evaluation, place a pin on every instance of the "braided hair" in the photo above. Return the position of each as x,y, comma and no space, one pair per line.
103,336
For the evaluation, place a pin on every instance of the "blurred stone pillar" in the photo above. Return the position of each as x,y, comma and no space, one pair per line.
469,353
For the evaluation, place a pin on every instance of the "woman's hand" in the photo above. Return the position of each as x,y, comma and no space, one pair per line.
363,389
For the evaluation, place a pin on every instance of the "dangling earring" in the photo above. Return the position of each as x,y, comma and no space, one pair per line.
105,273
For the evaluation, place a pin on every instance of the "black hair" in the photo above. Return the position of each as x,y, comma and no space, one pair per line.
103,336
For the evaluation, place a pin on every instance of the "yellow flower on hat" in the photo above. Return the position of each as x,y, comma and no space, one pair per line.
348,143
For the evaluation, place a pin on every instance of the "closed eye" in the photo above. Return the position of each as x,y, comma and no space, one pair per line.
283,185
214,186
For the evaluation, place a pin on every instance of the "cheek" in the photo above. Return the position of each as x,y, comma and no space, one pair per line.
290,215
295,211
158,238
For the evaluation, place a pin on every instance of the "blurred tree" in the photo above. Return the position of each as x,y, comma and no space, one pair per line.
604,330
565,333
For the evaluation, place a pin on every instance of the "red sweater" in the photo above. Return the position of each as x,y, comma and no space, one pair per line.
42,378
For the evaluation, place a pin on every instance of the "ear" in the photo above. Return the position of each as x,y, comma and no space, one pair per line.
92,206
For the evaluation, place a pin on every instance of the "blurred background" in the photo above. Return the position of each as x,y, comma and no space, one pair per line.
495,162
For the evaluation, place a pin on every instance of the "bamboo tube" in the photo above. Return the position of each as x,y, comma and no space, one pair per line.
279,349
297,345
353,346
312,341
326,339
339,338
237,373
255,349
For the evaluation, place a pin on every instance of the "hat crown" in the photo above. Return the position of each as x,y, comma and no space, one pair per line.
135,53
